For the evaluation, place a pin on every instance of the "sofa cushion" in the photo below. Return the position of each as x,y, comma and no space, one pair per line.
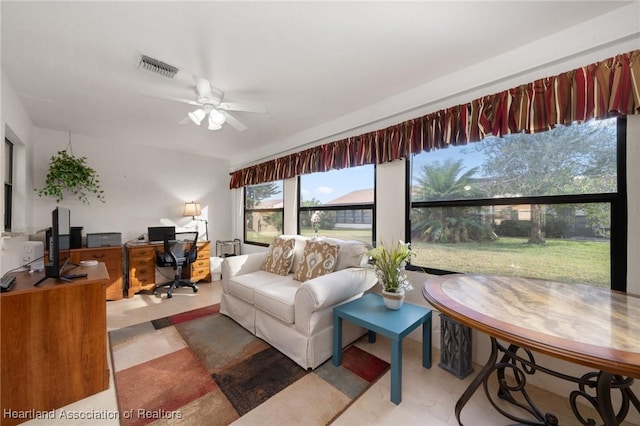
352,253
278,299
319,258
243,286
298,251
280,257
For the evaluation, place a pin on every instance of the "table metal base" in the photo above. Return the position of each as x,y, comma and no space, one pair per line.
594,388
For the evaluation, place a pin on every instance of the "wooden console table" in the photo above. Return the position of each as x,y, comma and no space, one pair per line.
593,327
53,349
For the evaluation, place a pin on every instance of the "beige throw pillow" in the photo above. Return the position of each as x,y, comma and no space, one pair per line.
280,256
319,258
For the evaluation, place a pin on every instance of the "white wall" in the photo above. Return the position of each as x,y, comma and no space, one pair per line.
143,186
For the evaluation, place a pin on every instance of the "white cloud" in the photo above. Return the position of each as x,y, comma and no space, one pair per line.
324,190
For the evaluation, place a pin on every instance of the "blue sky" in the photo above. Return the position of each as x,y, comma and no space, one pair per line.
330,185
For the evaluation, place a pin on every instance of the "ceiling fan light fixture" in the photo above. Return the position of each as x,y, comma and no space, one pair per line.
216,117
213,126
197,116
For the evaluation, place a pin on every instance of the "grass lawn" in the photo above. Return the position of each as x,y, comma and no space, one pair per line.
560,260
341,233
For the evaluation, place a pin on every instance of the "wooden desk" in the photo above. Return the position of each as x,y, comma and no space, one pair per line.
141,265
112,258
53,349
593,327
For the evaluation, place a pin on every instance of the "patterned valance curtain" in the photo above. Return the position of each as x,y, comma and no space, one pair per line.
600,90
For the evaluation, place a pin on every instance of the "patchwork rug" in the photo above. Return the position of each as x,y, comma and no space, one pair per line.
200,367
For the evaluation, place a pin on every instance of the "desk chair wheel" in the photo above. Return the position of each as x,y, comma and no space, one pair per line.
177,283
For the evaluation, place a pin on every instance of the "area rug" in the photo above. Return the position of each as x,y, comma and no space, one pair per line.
200,367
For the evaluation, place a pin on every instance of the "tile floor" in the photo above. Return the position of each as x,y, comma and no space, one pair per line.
428,397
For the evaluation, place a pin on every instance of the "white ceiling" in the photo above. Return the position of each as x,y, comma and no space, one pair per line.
74,64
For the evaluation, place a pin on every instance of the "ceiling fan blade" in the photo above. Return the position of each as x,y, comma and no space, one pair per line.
181,100
234,122
203,87
233,106
185,120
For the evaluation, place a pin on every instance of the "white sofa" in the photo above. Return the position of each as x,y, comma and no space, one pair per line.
292,316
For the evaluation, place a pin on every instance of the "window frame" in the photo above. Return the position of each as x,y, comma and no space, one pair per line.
617,200
340,207
254,210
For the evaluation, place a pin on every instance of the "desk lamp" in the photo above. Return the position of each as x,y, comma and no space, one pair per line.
193,209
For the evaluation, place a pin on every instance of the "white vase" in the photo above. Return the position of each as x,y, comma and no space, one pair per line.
393,300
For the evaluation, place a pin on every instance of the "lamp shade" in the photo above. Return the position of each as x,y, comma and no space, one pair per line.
197,116
216,117
191,209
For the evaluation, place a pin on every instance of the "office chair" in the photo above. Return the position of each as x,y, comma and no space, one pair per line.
180,250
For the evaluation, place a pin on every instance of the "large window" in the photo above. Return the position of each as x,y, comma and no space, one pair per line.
263,212
550,205
8,183
338,203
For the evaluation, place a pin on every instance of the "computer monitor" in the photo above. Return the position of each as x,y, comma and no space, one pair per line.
155,234
58,242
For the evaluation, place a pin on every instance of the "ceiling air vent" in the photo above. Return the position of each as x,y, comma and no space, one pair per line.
157,67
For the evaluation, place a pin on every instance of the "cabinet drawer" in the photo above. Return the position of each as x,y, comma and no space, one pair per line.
204,254
143,271
141,281
110,257
199,274
200,263
139,262
146,252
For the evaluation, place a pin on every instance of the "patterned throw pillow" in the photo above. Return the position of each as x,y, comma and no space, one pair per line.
280,256
319,258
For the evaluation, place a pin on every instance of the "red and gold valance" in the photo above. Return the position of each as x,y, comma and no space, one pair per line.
603,89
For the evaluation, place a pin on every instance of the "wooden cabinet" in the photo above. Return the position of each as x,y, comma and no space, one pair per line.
53,349
141,266
112,258
201,268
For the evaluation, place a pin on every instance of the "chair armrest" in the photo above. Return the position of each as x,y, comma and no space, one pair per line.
331,289
242,264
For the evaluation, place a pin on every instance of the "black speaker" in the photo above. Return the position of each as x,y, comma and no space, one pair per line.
76,237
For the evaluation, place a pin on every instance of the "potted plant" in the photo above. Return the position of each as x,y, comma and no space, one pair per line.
70,173
389,266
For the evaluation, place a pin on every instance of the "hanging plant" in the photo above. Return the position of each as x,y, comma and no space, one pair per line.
70,173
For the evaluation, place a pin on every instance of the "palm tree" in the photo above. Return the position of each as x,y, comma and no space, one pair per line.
447,181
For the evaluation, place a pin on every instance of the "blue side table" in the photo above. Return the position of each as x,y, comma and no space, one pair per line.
369,312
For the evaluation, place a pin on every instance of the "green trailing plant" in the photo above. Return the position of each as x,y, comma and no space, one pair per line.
70,173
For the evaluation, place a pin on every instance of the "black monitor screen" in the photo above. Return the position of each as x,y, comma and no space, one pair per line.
58,242
156,233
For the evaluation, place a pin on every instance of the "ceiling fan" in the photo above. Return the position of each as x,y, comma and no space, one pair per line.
209,103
